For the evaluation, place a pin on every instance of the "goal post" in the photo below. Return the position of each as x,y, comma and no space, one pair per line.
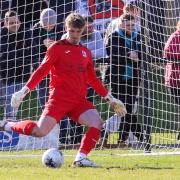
156,111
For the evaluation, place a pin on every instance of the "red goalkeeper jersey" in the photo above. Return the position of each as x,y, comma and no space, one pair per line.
71,70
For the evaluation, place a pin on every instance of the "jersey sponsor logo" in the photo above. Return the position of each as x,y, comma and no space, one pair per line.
84,54
67,51
8,139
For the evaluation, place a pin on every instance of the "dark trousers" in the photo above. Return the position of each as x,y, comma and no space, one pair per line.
126,91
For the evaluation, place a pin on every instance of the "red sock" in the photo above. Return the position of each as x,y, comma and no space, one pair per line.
89,140
24,127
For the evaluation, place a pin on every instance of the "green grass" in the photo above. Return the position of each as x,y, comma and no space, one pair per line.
164,115
115,167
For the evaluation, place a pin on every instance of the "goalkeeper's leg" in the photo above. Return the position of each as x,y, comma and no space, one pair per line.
92,120
31,128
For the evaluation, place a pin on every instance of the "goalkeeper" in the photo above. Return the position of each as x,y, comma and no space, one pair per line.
71,70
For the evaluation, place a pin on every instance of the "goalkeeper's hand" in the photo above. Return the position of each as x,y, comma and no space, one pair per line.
116,104
17,97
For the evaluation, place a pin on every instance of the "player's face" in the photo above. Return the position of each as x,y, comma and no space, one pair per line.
74,34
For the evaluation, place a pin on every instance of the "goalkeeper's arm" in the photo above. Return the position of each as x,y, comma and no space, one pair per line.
36,77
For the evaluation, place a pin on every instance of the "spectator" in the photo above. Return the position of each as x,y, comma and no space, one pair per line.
45,32
28,10
15,59
93,40
4,6
63,8
172,70
123,48
130,8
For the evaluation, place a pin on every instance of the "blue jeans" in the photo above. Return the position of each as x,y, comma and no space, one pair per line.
10,112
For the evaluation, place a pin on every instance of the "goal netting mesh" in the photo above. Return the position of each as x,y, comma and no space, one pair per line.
154,107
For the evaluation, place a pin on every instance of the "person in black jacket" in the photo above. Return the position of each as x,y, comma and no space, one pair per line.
4,6
123,48
15,58
28,10
44,33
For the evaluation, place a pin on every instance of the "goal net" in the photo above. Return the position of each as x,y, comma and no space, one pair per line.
133,69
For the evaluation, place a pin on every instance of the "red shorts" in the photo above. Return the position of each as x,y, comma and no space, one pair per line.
59,109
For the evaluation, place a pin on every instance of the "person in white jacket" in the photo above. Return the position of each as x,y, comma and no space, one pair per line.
92,39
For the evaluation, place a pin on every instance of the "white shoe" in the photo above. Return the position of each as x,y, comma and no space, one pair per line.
2,125
85,163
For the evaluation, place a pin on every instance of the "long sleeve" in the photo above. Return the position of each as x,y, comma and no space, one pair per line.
43,69
94,82
172,47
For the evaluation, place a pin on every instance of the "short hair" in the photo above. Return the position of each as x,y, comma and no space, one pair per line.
131,6
88,18
9,14
126,17
75,20
178,25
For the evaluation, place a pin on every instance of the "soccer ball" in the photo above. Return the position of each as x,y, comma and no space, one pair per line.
53,158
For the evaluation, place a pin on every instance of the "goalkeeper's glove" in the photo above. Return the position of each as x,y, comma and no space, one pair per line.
17,97
116,104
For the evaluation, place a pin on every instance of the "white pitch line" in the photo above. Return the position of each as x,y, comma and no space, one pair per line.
149,154
102,155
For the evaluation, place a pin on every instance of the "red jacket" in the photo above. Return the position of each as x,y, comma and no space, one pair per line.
172,52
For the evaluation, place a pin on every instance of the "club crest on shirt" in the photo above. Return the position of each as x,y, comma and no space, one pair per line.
84,54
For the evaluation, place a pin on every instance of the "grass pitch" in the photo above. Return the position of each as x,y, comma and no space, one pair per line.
115,167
